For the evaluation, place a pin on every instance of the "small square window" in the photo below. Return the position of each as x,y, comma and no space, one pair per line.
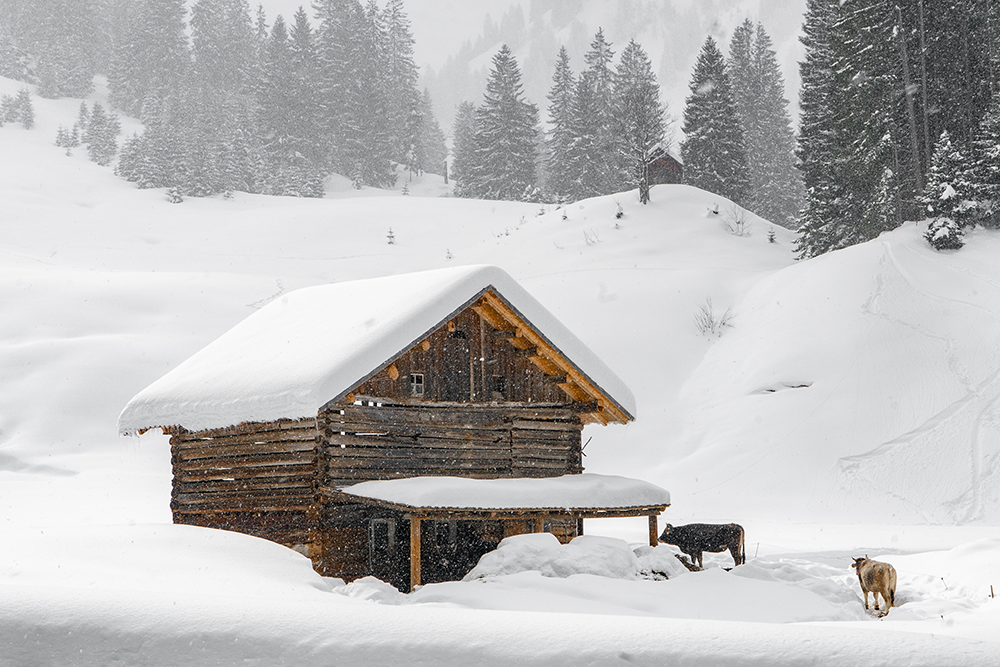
416,384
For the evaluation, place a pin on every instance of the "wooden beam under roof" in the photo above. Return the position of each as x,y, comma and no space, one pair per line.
549,359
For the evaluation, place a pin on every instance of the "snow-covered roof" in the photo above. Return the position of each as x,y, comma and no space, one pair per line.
311,346
566,493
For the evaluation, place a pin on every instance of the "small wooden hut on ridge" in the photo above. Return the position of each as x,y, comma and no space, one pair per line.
397,427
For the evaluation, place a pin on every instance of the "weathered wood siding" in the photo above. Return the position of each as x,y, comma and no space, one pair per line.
259,479
467,360
383,440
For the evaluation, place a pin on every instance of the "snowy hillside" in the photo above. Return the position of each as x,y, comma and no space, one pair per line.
850,405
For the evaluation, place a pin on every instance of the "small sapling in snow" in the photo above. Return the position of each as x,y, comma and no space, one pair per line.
391,237
771,236
737,221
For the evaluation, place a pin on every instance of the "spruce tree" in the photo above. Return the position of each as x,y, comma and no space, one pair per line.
947,191
430,149
63,46
594,161
305,121
465,168
403,97
714,152
639,118
560,135
983,171
822,147
26,111
152,59
338,49
101,135
506,128
370,144
758,90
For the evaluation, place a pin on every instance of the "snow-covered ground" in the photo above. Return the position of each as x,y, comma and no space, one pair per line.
849,408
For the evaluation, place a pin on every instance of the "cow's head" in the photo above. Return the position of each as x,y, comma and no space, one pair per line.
666,532
858,562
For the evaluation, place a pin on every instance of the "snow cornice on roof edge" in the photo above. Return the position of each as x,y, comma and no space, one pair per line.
314,345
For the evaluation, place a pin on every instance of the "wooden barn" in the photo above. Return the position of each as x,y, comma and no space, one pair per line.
665,168
397,427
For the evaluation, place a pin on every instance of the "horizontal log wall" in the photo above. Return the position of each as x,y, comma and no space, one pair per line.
259,479
387,441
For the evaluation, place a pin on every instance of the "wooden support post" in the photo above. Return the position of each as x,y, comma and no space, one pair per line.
654,535
540,524
414,552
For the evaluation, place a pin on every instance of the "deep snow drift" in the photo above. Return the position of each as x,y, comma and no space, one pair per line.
850,407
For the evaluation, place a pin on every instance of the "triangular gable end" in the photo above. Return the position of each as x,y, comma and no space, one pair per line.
531,343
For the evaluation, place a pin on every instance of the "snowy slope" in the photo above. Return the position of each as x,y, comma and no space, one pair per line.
850,408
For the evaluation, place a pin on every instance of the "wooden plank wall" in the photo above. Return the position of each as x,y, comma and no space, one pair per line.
377,439
259,479
466,369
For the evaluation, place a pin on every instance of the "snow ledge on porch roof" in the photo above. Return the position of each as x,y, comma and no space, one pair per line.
304,348
568,492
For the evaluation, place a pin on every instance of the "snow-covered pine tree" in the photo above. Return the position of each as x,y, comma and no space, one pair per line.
758,90
983,170
594,164
947,193
370,144
101,136
465,168
338,33
560,136
305,128
404,114
947,196
63,46
430,149
506,129
873,116
82,119
25,110
222,45
640,117
714,152
152,58
822,147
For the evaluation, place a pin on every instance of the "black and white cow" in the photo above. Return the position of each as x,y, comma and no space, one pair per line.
694,538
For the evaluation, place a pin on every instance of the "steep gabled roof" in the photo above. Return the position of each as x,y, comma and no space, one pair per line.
313,346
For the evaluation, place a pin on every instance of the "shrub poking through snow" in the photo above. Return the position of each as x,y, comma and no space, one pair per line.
709,323
944,234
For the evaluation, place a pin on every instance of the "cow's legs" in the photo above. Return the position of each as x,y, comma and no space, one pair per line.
866,599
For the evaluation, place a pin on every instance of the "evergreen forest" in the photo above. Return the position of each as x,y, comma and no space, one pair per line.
899,111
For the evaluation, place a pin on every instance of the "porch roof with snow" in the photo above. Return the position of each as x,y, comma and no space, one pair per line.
585,495
313,346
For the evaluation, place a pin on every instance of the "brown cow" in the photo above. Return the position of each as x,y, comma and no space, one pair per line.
695,538
876,578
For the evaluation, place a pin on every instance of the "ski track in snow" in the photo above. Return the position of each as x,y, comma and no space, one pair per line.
975,412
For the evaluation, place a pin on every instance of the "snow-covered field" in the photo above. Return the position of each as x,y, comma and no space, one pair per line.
850,408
